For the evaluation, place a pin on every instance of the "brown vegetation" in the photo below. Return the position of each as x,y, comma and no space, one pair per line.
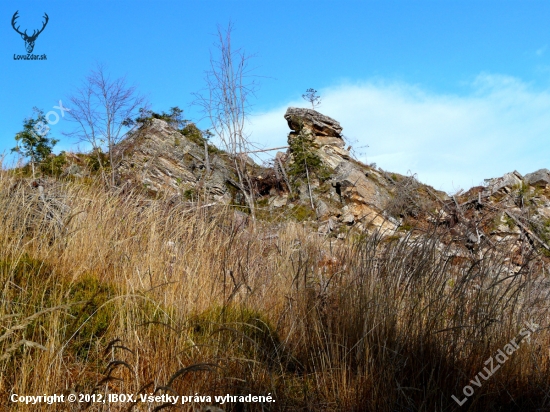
111,292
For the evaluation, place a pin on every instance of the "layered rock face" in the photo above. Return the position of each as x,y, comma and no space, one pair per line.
361,192
325,131
513,209
165,161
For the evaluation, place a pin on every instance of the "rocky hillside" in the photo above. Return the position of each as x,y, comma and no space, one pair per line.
335,187
158,281
318,180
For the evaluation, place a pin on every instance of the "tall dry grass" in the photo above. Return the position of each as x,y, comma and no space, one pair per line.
113,292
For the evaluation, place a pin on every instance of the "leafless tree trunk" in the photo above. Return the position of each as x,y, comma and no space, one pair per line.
101,108
279,166
308,182
226,102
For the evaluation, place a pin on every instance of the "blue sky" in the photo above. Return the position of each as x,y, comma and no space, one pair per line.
454,91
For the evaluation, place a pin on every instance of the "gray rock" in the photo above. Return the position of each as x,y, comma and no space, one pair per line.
509,180
303,191
279,201
329,226
353,184
74,170
347,216
319,124
539,178
322,208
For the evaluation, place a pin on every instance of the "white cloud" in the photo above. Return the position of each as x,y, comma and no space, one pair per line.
541,51
449,141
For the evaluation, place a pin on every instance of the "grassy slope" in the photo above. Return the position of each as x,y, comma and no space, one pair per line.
366,325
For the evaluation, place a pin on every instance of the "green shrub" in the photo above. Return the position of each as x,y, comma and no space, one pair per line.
302,213
39,286
255,334
190,194
193,133
305,160
53,165
91,318
94,158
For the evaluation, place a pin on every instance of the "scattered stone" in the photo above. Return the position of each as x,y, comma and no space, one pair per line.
347,216
74,170
279,201
322,209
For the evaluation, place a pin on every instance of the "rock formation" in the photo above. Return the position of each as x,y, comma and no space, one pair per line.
359,192
540,178
325,131
351,196
164,160
513,209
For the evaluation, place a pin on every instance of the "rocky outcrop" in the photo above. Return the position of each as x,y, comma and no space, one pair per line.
353,196
540,178
360,192
512,208
511,179
326,132
320,125
163,160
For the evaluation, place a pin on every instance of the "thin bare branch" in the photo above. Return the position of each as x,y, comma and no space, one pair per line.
100,108
230,86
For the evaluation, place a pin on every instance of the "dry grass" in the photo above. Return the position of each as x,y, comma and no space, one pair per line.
115,293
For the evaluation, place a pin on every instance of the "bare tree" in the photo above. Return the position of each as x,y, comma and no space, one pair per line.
102,107
226,102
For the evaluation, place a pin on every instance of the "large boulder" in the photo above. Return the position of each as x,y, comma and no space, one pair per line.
326,130
353,185
539,178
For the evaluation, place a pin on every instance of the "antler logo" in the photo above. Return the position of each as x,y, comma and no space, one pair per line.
29,40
